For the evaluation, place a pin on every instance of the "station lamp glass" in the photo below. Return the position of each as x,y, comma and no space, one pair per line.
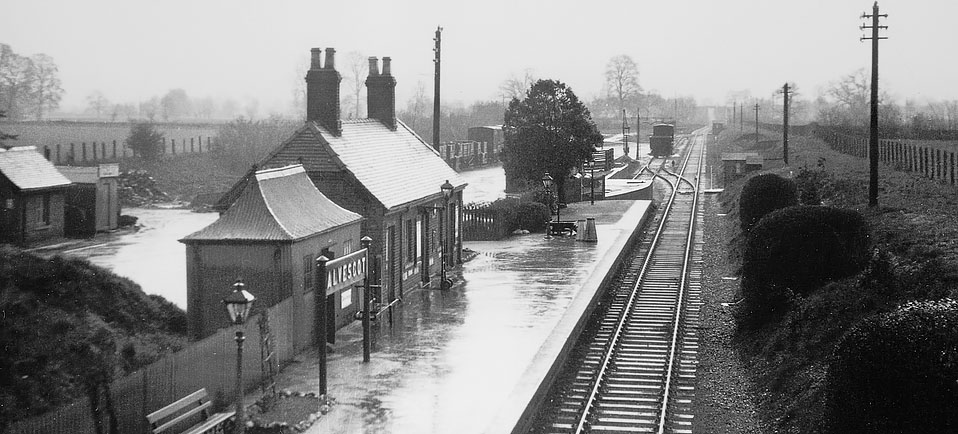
446,188
547,181
239,303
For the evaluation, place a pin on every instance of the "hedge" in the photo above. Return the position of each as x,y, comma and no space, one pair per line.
896,372
763,194
795,250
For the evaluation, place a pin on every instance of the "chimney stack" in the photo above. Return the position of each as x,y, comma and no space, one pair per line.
381,93
322,91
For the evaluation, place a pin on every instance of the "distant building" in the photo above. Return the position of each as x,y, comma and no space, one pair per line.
270,237
491,138
92,202
31,197
738,164
377,167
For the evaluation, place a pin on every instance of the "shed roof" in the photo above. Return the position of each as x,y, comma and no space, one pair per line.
80,174
279,204
28,170
742,156
397,167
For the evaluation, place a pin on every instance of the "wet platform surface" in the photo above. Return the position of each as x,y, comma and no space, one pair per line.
453,359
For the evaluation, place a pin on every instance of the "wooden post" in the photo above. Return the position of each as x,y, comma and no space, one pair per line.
320,294
82,151
114,150
366,242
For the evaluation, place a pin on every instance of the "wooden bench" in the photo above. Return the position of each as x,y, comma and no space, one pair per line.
194,405
559,228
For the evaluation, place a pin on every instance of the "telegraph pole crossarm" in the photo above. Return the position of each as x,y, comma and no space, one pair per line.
873,127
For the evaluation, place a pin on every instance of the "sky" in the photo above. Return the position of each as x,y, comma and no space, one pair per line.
131,50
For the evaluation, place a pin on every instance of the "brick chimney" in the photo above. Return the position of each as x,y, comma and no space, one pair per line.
381,93
322,91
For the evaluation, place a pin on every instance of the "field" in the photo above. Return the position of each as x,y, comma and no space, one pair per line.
51,133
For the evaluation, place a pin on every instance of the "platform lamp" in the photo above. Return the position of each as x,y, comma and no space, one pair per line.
446,189
239,304
547,183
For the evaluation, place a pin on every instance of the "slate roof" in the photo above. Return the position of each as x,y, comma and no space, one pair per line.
28,170
280,204
397,167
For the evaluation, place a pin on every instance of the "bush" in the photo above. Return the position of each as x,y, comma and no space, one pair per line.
763,194
145,141
532,216
896,373
796,249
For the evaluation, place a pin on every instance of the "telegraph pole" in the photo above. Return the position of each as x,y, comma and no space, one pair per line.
741,117
873,128
625,134
435,101
756,125
638,131
734,103
785,92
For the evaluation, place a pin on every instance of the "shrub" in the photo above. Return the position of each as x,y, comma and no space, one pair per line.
763,194
145,141
532,216
896,373
795,250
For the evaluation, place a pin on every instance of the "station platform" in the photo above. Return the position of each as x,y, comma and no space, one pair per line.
471,359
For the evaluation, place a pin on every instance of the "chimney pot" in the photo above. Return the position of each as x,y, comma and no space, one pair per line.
386,68
330,61
373,66
315,58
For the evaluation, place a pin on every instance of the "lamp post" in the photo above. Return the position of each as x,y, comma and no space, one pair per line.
547,183
446,189
239,304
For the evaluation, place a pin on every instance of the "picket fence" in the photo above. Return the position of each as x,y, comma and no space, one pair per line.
76,153
935,161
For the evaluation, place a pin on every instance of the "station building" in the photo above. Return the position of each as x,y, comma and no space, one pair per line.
270,238
381,169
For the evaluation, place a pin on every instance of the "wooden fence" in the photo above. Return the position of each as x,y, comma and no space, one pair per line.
482,223
936,161
76,153
209,363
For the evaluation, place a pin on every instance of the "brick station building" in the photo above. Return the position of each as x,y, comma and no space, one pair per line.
32,194
379,168
270,237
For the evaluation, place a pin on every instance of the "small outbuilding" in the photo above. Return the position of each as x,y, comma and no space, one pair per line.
270,237
738,164
92,202
31,197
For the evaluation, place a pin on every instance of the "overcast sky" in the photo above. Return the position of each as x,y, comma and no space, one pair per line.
132,49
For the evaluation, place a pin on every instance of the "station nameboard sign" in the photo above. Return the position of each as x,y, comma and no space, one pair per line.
109,170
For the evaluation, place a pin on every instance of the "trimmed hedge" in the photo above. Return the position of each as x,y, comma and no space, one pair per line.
763,194
897,373
797,249
532,216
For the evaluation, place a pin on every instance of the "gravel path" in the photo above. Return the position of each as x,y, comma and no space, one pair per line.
723,401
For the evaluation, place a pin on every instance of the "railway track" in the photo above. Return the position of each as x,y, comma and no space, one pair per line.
633,368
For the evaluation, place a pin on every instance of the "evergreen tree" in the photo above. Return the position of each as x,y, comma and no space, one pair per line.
145,141
548,131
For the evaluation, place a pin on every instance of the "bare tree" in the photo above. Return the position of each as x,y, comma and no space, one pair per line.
516,87
622,80
150,108
357,67
45,90
97,103
175,104
14,82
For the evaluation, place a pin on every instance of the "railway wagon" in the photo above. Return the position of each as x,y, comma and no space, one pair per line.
661,140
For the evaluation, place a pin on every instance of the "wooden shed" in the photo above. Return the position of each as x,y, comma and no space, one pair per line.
92,202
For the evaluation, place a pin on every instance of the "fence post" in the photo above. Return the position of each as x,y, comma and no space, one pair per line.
114,150
191,145
58,153
173,146
952,167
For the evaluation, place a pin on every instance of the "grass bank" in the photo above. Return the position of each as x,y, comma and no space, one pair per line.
915,240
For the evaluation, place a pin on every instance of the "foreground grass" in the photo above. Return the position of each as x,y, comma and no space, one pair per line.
915,236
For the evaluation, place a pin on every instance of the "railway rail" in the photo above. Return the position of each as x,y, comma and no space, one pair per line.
633,367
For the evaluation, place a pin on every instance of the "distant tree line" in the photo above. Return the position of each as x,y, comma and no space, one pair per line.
29,85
